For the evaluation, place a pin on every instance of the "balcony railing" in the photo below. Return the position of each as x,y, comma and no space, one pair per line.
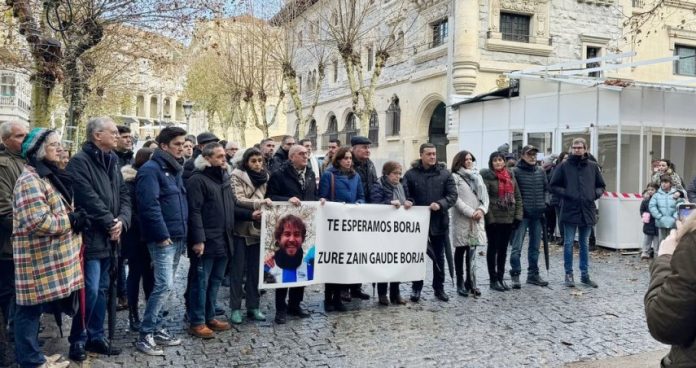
8,100
638,3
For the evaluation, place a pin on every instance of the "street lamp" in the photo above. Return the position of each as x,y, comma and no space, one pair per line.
188,109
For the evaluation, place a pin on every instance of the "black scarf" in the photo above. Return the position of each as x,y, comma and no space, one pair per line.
286,262
258,178
59,178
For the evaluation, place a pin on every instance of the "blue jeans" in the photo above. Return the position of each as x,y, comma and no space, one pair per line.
27,350
165,260
583,238
206,279
96,275
534,226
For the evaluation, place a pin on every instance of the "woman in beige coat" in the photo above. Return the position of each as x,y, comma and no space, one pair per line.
468,227
249,181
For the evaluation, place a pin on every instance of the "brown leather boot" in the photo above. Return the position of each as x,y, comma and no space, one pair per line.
201,331
218,326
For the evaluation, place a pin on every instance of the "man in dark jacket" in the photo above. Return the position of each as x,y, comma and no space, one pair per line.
531,180
282,154
202,139
124,151
431,184
579,183
368,178
210,197
670,303
124,146
294,183
267,147
163,212
101,192
11,166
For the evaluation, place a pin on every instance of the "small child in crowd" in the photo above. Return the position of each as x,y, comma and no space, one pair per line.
663,207
650,236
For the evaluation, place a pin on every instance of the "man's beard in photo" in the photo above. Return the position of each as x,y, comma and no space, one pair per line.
286,262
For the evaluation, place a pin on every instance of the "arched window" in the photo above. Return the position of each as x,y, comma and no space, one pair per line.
331,132
373,134
312,133
394,117
349,129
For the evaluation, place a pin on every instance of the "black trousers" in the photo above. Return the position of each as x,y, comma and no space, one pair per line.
245,262
550,221
462,254
7,289
496,254
332,293
437,243
294,300
393,289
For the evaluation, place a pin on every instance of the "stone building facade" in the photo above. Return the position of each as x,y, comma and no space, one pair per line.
449,51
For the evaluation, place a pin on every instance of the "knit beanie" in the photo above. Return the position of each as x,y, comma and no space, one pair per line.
34,140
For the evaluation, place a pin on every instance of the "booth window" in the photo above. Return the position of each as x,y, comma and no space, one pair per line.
590,53
687,64
440,31
515,27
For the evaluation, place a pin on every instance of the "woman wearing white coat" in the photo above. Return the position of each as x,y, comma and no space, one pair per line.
468,224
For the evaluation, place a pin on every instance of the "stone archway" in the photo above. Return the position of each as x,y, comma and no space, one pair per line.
437,131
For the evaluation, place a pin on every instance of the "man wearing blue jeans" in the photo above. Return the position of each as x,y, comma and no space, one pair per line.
163,212
100,191
531,180
578,181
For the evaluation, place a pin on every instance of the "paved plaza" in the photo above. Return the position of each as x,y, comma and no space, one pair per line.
532,327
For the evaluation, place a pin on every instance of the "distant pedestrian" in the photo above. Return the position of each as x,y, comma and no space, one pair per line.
431,184
468,220
163,214
503,217
124,151
334,145
579,183
99,191
202,139
666,167
267,147
46,243
650,235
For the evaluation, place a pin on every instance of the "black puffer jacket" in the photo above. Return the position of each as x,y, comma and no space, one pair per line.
579,183
533,187
211,209
368,177
434,184
278,159
100,191
649,228
189,166
284,184
124,158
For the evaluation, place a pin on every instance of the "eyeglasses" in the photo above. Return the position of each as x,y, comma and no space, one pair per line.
54,144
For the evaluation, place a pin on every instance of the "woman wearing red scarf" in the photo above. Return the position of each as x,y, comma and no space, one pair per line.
504,215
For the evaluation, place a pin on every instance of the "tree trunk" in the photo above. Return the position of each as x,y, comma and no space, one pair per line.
40,104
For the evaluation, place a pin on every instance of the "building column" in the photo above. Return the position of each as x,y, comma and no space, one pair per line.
134,106
172,108
146,105
465,64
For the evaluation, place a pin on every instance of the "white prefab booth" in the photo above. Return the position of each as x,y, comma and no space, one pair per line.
626,128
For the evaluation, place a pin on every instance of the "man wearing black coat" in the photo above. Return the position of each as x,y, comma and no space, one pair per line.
124,151
578,181
531,179
101,192
282,154
202,139
431,184
293,182
211,224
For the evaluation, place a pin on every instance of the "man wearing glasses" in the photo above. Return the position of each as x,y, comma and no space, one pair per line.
100,191
579,183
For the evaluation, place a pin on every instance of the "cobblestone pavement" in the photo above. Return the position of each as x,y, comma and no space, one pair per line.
534,326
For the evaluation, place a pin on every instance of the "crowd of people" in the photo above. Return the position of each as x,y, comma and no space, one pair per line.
63,223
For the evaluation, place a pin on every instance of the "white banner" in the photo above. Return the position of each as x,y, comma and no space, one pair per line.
342,243
363,243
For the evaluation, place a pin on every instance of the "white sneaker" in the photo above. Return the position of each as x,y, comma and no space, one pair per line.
53,362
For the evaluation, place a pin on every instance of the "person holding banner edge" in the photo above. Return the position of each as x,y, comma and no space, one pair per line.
430,184
292,182
389,190
340,183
